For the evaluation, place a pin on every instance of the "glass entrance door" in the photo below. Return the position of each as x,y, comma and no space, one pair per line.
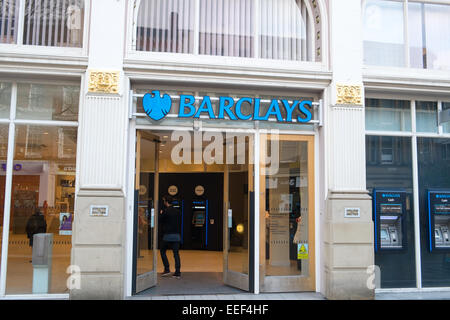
238,212
145,211
287,247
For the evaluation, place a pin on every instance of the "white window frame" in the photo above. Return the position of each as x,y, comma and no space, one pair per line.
20,48
406,72
12,122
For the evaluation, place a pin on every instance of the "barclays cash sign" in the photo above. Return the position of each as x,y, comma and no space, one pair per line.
157,107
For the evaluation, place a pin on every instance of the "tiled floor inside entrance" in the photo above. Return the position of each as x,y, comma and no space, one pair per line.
201,274
191,283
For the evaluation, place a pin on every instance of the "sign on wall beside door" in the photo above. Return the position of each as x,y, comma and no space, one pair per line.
99,211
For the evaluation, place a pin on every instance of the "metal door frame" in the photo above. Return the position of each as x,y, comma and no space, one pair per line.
147,279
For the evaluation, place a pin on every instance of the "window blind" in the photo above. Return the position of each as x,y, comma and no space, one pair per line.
166,26
9,13
226,28
53,23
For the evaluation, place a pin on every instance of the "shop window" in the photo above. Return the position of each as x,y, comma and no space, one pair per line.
227,28
387,150
3,154
433,175
388,115
426,116
446,125
47,102
424,151
5,99
427,32
372,151
446,151
287,209
397,266
44,182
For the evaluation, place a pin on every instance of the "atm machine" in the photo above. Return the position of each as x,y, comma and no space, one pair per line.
199,227
438,220
389,211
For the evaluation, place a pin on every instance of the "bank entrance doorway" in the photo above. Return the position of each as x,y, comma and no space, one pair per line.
209,177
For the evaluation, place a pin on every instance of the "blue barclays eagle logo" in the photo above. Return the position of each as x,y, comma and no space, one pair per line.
155,106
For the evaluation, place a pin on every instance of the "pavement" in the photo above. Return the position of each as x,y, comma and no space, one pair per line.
240,296
417,295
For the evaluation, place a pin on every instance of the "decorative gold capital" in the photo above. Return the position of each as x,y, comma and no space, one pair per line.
348,94
103,81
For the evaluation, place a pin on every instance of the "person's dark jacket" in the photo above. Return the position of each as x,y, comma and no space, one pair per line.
35,224
171,221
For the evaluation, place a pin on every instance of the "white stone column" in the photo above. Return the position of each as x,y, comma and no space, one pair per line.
347,241
98,243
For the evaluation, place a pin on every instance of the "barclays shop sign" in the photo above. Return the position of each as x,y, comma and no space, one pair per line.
158,106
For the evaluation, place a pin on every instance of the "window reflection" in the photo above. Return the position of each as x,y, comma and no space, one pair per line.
5,99
434,173
426,116
47,102
383,33
286,210
388,115
446,125
3,154
429,31
389,167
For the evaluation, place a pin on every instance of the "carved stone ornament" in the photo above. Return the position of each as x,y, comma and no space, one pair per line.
348,95
104,81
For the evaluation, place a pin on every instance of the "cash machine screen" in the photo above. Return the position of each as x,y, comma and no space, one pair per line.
386,208
442,208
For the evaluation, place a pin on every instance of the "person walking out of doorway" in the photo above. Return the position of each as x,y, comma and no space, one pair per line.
171,229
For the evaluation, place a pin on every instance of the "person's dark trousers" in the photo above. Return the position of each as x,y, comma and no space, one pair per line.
165,245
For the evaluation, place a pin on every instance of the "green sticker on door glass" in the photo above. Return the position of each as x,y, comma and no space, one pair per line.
302,251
